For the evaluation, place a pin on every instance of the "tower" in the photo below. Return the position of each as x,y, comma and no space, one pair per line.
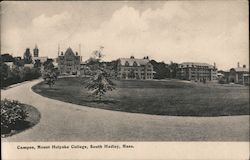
58,53
36,51
80,52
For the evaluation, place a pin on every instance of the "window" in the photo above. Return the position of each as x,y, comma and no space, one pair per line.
126,63
135,64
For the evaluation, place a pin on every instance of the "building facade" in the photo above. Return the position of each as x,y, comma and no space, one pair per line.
132,68
36,56
197,71
69,63
239,75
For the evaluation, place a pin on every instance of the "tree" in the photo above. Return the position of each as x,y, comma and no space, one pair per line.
100,81
99,84
50,78
27,56
161,69
50,74
98,54
173,69
4,73
37,63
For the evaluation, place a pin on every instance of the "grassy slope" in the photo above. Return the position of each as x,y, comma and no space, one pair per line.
156,97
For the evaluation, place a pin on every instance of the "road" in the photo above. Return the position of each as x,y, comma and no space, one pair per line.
62,121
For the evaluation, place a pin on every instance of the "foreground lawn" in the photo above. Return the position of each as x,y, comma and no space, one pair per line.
156,97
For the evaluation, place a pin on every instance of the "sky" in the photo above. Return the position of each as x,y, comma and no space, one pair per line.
178,31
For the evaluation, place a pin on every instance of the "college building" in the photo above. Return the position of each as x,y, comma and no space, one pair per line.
197,71
239,75
36,56
69,62
133,68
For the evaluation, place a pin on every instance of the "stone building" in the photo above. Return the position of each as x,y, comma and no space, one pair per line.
197,71
36,56
132,68
69,62
239,75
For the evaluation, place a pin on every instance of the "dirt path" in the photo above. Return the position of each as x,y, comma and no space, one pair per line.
62,121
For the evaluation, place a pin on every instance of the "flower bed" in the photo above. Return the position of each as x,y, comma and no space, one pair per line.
16,117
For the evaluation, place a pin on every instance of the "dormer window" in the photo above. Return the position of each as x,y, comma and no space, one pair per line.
135,64
126,63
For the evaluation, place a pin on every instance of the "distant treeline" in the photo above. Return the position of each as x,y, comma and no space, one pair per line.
17,74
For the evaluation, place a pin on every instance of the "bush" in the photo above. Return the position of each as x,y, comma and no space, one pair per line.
12,115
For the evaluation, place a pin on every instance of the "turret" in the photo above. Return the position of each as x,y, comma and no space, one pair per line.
35,51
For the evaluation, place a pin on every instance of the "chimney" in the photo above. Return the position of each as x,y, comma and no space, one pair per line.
132,57
244,66
238,64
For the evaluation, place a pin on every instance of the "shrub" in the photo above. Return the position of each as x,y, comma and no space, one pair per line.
12,115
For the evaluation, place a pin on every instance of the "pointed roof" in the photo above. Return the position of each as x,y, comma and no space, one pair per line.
69,52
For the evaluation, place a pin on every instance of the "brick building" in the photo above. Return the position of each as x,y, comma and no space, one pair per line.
197,71
69,62
133,68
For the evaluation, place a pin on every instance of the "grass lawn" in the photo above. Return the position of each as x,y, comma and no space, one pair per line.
171,97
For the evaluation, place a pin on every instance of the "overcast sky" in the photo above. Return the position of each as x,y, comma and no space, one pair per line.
179,31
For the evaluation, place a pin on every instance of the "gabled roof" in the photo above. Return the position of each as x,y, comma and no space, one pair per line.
131,61
69,52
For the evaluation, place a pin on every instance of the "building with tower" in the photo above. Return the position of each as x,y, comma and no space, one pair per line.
36,57
238,75
69,62
35,52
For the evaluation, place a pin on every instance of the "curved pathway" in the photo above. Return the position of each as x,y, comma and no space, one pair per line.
62,121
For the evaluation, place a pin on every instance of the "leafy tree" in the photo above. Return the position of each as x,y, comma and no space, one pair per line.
27,56
4,73
98,54
48,65
161,69
50,78
173,69
37,64
50,74
18,61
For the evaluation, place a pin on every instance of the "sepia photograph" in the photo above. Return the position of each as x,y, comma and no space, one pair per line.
123,71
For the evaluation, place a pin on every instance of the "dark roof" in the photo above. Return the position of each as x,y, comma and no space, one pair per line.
240,69
139,62
69,52
185,64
